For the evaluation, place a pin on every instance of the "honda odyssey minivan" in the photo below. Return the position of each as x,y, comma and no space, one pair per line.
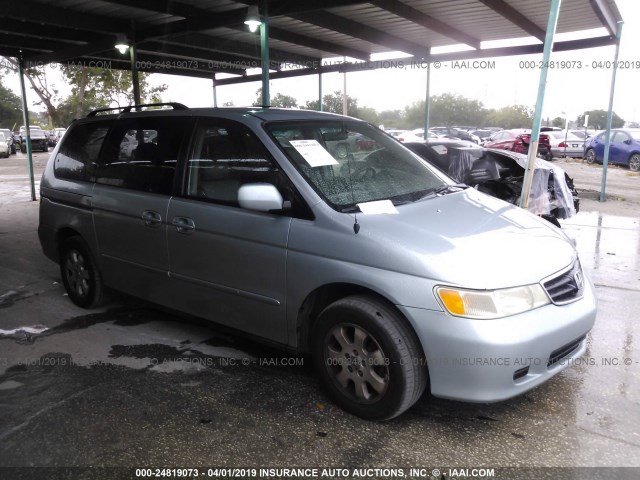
390,276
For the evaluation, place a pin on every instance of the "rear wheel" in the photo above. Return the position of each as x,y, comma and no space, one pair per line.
634,162
591,156
369,360
80,274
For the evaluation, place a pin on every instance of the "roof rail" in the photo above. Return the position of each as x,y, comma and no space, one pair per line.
127,109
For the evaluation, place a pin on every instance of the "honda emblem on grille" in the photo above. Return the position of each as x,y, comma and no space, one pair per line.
579,280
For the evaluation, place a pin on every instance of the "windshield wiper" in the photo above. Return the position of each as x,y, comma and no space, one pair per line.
443,190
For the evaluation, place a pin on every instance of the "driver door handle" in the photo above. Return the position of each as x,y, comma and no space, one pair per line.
151,218
184,225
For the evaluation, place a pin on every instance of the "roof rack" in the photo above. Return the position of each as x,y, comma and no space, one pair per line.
127,109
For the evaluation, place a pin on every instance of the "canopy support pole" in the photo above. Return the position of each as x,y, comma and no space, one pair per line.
607,135
320,92
427,103
25,119
264,53
537,117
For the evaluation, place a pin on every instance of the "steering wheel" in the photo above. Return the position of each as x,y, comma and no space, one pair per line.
366,173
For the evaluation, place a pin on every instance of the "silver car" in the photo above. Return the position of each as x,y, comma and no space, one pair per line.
389,275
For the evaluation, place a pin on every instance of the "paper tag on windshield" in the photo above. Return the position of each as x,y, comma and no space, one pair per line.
313,153
377,207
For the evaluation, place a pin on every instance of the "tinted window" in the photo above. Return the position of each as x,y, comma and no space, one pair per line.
142,153
80,151
227,155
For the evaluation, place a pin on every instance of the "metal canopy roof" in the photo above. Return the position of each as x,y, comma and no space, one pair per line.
203,37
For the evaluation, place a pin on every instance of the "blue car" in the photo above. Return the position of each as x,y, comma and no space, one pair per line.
624,149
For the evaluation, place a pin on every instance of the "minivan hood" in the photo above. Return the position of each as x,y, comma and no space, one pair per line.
470,239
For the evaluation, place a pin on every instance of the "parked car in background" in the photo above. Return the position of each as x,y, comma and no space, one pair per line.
456,133
500,174
624,148
8,136
54,136
5,148
483,135
565,144
378,266
403,135
419,132
518,140
16,141
38,137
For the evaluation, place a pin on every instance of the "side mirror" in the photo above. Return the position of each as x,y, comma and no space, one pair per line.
628,141
262,197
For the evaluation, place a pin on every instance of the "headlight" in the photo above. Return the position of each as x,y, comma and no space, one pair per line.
487,304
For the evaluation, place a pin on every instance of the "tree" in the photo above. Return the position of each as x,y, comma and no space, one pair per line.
39,83
598,119
446,110
278,100
558,122
392,119
10,108
369,114
333,103
513,116
90,88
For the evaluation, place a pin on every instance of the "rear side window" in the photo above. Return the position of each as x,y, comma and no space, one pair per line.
142,153
80,151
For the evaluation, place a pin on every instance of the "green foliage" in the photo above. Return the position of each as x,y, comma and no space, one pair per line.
333,103
392,119
558,122
446,110
513,116
278,100
10,108
598,120
369,114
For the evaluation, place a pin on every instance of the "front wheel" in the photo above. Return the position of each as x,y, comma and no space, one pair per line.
369,360
634,162
591,156
80,274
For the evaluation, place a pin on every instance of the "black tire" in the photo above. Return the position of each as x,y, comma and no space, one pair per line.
634,162
23,148
369,360
80,274
590,156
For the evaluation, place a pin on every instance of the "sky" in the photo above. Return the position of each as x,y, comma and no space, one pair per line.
511,80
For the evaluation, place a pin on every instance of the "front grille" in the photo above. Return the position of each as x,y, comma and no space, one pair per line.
566,287
563,352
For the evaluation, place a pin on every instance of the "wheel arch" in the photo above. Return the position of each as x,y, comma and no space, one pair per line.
323,296
62,235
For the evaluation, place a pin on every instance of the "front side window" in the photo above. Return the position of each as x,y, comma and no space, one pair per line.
227,155
142,153
352,162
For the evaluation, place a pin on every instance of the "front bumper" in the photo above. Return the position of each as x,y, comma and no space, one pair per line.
493,360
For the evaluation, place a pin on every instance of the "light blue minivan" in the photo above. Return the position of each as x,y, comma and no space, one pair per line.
320,234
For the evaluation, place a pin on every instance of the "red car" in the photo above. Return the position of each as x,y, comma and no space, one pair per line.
518,141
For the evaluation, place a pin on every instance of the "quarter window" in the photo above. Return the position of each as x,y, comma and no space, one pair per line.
80,150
